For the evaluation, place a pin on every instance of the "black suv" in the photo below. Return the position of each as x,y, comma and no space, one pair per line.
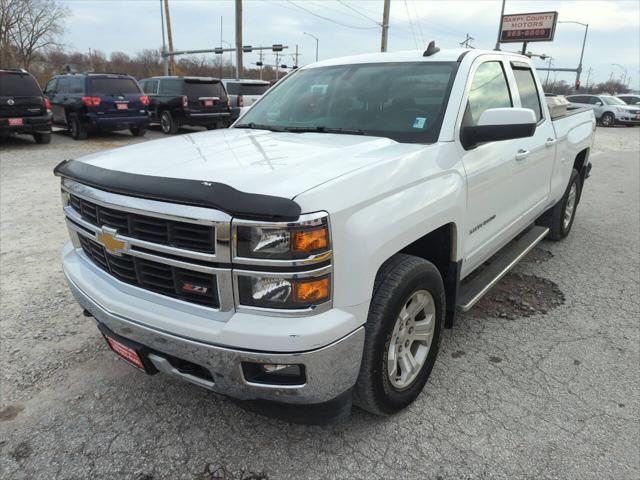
23,107
84,102
177,101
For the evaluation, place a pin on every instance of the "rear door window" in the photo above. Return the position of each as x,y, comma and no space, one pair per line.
489,89
209,88
150,86
63,85
235,88
18,85
76,85
529,97
171,87
51,86
113,86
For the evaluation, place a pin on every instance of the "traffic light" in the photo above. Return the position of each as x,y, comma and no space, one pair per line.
218,51
247,48
258,64
577,84
283,66
277,47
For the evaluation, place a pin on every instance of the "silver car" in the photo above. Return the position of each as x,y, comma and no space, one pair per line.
609,110
629,98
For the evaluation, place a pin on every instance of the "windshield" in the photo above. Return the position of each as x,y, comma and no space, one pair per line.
112,86
18,85
402,101
612,101
204,88
246,88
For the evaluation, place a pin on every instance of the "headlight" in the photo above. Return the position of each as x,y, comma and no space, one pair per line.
289,241
283,293
620,110
298,257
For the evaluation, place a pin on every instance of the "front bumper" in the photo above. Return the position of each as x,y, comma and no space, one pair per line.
330,371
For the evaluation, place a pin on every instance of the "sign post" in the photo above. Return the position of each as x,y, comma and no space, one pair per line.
528,27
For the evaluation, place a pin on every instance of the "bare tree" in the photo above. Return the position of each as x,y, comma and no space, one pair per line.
30,27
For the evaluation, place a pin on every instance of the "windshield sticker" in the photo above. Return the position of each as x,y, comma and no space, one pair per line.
419,122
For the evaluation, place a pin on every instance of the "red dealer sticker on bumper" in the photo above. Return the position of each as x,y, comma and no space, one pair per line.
126,353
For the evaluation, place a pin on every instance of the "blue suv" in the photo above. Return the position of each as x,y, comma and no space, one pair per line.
84,102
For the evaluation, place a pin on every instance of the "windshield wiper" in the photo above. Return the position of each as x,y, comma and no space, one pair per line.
321,129
260,126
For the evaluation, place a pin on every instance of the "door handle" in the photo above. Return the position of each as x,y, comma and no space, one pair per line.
550,142
522,154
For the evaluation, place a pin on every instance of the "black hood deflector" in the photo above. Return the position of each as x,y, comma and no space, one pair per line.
178,190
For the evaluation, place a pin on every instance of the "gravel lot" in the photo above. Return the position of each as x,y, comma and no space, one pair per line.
540,380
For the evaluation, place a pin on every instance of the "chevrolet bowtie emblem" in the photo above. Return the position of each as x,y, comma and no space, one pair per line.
111,244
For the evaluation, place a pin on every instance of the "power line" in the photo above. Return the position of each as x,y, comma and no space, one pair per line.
415,41
466,41
358,12
418,22
329,19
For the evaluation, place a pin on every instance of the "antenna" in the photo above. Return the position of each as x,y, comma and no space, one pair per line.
431,49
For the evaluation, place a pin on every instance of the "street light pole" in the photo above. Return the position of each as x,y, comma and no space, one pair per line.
584,42
500,26
317,42
624,75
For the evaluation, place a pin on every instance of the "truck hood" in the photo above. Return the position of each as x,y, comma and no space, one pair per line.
254,161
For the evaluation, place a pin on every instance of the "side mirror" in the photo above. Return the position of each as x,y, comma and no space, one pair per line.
599,104
497,124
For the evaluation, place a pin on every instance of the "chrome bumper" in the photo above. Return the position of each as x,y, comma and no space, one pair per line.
330,370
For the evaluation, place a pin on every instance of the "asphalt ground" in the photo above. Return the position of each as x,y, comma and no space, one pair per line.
540,380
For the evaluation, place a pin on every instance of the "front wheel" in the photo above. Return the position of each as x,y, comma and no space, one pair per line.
403,330
138,131
42,138
608,120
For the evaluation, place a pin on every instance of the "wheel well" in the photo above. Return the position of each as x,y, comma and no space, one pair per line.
580,164
439,248
436,246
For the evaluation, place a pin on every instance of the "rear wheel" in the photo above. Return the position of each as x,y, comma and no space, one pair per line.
42,138
138,131
560,218
168,124
403,330
608,120
78,132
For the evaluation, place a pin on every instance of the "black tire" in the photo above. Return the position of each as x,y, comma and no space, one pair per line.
77,131
167,123
397,280
554,218
138,131
608,119
42,138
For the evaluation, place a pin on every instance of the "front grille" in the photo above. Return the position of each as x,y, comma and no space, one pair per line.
157,277
188,236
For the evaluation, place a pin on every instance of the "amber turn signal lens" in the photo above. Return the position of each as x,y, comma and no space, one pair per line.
311,291
306,241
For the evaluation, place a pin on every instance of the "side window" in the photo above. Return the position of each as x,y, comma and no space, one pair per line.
76,85
595,100
529,96
63,85
489,89
171,87
150,86
50,89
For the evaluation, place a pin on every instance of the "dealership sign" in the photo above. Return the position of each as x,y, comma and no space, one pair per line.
528,27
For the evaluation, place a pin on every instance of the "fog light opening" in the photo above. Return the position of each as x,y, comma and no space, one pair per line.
274,373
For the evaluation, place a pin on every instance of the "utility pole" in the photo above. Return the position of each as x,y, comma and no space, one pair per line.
238,39
261,62
296,55
500,26
277,65
317,42
546,82
165,59
172,63
466,41
385,25
588,77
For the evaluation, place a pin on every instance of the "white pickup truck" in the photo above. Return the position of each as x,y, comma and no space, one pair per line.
311,255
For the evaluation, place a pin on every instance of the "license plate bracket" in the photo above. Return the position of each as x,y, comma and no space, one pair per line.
131,352
122,106
16,121
208,103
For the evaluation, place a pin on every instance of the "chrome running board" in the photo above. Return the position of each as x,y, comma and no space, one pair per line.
472,291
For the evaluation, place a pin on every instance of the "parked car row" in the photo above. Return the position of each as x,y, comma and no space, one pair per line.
610,110
87,102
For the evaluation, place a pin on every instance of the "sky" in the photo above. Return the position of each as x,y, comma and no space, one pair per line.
347,27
